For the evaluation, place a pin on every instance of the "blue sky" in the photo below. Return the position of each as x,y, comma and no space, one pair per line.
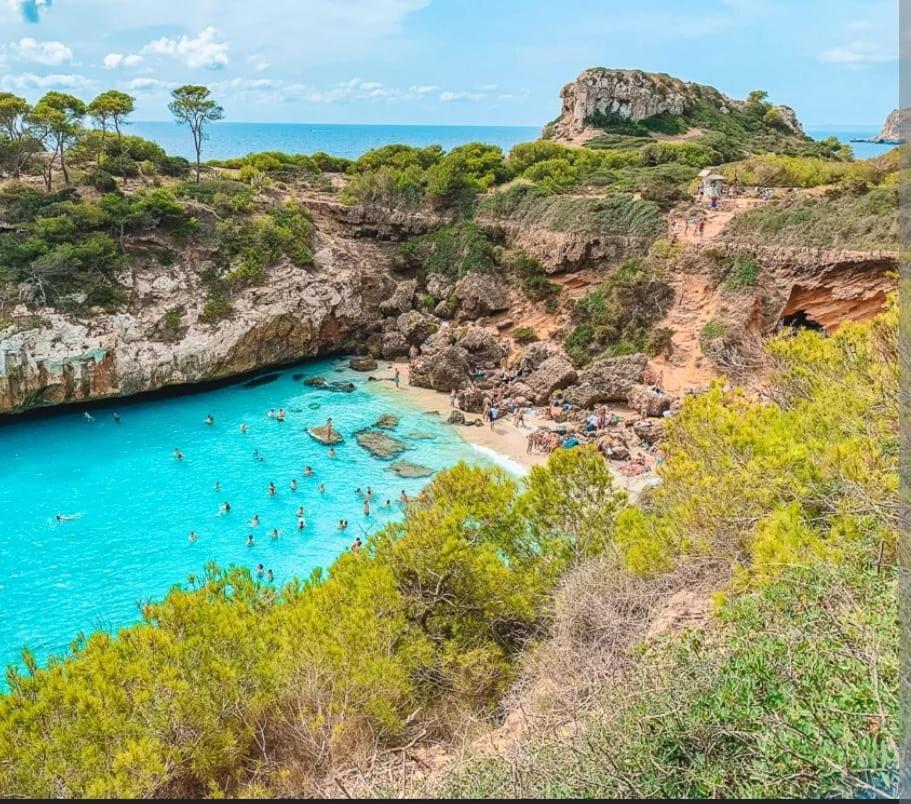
448,61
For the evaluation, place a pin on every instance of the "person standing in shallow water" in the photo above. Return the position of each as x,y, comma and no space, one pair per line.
329,428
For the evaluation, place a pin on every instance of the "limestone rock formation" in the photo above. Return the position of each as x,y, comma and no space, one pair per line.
646,402
608,380
409,469
441,369
402,298
477,294
322,435
378,444
893,128
636,95
553,374
363,363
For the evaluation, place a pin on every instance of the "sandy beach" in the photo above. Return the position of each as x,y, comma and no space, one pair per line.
505,444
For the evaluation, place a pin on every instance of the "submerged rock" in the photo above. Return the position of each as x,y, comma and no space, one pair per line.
379,444
456,417
339,386
409,469
322,435
387,421
313,382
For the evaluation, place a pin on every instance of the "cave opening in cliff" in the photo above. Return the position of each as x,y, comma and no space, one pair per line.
801,319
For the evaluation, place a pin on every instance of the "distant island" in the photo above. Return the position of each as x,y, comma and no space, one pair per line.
890,134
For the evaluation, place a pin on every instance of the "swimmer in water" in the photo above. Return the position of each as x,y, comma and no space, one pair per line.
257,456
369,493
225,508
274,533
192,537
254,521
281,415
243,429
301,523
341,524
308,472
367,507
88,417
331,452
249,540
115,417
272,489
300,511
210,419
356,545
177,454
293,484
270,576
270,414
217,486
67,517
260,570
358,492
403,497
322,488
387,504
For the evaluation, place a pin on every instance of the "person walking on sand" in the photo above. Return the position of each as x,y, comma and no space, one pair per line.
398,377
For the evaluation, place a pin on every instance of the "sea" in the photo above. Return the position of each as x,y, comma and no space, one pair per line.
226,139
129,506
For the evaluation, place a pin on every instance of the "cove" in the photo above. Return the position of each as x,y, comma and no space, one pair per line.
136,504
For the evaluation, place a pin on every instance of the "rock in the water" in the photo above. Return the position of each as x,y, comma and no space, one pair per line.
646,402
363,363
409,469
340,386
379,444
387,421
315,382
456,417
322,435
480,294
552,375
442,370
608,380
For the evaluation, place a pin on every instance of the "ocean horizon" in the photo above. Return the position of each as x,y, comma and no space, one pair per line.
230,139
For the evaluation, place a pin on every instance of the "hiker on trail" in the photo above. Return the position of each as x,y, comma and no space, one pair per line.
701,228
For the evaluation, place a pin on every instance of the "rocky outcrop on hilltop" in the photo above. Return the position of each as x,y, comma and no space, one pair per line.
634,95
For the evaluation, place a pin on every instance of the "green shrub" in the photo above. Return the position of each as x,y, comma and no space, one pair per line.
524,335
744,273
216,309
532,277
102,181
454,250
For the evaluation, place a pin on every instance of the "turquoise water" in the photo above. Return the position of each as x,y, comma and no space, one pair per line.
136,504
845,133
237,139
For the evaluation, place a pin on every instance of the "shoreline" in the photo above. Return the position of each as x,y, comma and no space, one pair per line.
505,444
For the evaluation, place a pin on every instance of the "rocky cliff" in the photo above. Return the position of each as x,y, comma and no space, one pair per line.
634,95
894,127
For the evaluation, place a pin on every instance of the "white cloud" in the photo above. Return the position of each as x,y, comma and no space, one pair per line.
859,54
198,51
424,89
50,53
449,96
370,85
258,62
25,81
114,60
148,85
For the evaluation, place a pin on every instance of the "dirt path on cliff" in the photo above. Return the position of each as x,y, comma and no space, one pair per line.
715,221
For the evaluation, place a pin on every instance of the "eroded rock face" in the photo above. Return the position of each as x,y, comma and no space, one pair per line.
646,402
553,374
416,327
894,127
608,380
477,295
441,369
635,95
401,300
